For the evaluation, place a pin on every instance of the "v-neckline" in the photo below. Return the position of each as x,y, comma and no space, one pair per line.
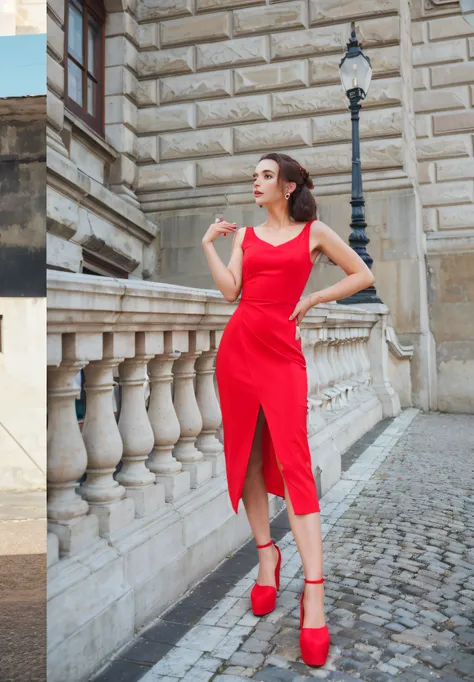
276,246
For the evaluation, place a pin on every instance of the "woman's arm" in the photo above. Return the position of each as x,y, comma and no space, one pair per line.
228,279
358,274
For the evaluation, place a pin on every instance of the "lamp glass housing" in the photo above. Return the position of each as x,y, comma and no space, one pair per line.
355,72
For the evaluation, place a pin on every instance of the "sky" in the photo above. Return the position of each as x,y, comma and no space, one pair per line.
23,65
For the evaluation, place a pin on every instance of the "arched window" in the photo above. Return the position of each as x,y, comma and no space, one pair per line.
84,63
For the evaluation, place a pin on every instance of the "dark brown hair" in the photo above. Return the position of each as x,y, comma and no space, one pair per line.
302,205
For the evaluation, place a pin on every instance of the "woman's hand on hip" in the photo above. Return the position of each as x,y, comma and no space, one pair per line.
301,309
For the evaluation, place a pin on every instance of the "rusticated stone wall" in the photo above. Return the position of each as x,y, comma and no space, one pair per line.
236,79
197,90
443,57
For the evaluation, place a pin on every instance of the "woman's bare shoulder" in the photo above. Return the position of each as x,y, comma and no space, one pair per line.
318,229
240,235
318,225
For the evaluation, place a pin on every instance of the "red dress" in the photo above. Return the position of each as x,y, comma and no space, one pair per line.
260,362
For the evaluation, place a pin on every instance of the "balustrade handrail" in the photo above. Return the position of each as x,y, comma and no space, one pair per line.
107,303
162,338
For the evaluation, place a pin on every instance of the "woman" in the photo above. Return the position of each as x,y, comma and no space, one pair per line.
262,380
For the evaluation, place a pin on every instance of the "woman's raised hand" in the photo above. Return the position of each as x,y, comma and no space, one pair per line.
221,226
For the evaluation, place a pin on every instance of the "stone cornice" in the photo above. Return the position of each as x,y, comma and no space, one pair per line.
23,108
67,179
454,241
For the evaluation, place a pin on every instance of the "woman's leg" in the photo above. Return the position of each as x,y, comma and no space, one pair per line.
306,529
255,499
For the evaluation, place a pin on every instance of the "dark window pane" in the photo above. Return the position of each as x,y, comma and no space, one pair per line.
91,97
91,48
74,82
75,32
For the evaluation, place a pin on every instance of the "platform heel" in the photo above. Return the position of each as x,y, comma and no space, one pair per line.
314,642
263,597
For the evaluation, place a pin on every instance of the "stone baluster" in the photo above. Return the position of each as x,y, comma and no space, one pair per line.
355,359
351,334
310,339
345,361
187,411
339,399
328,369
67,458
209,408
332,360
106,497
321,368
136,432
365,356
340,354
343,384
164,421
327,391
358,356
349,369
310,350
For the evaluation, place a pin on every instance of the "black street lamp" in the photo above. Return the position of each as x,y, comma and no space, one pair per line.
356,72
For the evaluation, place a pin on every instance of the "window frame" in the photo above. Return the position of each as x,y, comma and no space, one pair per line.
91,9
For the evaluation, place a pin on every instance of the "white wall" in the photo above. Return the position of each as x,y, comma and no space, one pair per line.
23,393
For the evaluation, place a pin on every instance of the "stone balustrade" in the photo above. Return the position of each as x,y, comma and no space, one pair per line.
118,483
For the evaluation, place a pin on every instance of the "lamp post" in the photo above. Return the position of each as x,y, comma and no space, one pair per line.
355,71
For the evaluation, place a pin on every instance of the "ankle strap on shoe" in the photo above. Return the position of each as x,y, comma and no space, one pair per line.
267,545
321,580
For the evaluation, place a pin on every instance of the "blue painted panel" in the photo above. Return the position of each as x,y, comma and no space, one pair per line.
23,65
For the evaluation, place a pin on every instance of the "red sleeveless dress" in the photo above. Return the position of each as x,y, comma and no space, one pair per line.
260,362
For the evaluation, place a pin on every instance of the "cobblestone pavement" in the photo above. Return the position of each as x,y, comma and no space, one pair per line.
22,586
399,564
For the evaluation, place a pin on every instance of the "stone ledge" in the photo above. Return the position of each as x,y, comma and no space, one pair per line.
31,107
454,241
91,139
132,305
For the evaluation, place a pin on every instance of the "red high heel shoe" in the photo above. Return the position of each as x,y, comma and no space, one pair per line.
263,597
314,642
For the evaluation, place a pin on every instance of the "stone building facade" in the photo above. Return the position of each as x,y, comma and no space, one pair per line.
194,91
22,17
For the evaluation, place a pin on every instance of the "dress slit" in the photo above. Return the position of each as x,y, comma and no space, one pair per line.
273,477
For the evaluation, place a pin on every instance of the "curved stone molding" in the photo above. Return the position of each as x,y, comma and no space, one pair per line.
395,347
